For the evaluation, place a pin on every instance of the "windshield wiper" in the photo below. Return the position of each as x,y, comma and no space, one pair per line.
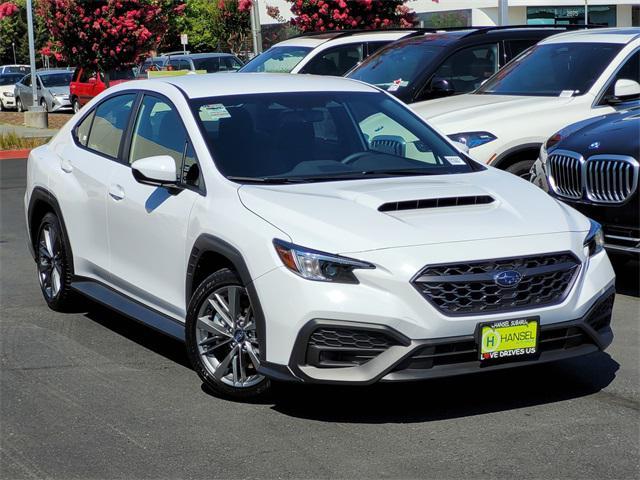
269,180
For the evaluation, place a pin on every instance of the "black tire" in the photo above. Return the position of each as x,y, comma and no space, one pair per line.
521,169
75,104
19,105
63,299
1,106
214,282
43,104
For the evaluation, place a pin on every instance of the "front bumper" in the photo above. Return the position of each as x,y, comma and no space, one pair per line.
8,102
60,103
386,302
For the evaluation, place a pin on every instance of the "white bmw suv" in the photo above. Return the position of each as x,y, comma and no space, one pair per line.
313,230
565,78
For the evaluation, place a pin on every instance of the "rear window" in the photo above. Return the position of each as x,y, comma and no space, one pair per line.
124,74
56,79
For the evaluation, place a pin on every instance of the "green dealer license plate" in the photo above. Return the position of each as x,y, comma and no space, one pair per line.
509,339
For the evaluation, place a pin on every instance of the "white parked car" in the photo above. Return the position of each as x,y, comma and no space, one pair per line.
563,79
7,82
309,229
323,53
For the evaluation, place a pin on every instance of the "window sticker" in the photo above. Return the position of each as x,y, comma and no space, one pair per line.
213,112
455,160
397,84
566,93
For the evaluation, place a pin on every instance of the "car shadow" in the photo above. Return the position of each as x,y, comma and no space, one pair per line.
447,398
412,402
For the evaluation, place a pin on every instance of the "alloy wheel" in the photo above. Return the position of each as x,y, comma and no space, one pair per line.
226,337
49,262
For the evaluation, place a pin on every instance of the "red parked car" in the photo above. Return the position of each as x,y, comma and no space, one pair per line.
89,82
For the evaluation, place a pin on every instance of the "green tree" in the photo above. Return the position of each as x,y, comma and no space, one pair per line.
13,28
201,23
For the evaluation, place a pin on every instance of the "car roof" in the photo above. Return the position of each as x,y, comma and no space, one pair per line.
207,85
598,35
345,36
53,70
202,55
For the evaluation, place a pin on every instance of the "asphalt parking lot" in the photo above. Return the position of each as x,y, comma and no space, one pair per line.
95,395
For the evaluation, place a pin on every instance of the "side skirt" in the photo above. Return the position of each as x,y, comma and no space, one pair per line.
131,308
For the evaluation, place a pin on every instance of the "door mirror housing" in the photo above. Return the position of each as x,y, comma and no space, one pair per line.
442,87
626,88
159,170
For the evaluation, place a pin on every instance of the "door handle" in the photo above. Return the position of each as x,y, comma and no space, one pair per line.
116,192
66,165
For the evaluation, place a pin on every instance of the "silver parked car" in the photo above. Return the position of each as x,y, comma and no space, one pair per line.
53,90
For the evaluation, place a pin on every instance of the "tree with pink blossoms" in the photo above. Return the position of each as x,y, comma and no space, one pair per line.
321,15
109,34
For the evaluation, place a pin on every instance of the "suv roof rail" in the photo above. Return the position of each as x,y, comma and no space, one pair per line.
482,30
409,30
177,52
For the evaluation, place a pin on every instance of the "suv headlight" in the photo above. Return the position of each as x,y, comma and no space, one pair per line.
594,240
319,266
473,139
7,94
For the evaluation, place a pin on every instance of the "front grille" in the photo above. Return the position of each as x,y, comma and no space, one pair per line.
611,180
471,288
600,179
565,170
344,347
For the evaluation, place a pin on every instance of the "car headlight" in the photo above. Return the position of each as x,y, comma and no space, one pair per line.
473,139
319,266
594,240
7,94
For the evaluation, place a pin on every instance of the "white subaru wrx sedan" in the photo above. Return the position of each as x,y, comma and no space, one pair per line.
309,229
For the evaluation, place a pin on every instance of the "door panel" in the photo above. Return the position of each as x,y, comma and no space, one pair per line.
148,224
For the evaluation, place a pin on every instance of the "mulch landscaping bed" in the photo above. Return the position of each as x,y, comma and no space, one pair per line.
56,120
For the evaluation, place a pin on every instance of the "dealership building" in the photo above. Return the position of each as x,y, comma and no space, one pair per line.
620,13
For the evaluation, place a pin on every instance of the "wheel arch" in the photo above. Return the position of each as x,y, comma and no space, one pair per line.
526,151
42,202
209,254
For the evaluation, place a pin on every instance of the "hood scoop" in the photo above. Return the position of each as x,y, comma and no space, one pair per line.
436,203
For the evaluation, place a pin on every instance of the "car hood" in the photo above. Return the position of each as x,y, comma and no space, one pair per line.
342,217
617,133
480,112
59,90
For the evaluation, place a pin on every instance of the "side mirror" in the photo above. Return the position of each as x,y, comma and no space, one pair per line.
159,170
442,87
463,147
626,88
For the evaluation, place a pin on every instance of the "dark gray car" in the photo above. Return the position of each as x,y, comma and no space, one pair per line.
53,90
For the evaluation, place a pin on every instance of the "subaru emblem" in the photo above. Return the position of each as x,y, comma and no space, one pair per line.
507,278
594,146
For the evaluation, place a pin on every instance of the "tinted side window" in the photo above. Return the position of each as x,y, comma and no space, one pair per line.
336,61
110,121
83,128
466,69
629,71
159,131
373,46
26,81
516,47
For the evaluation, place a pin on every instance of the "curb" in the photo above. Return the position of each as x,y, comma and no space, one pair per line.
14,154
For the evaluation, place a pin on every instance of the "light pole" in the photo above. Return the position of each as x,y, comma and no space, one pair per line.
13,46
503,12
256,33
36,116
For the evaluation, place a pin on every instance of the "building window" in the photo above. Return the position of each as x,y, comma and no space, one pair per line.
635,16
604,15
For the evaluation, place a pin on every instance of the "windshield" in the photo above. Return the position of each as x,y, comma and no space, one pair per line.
277,60
318,136
56,79
9,79
216,64
16,68
554,69
397,66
